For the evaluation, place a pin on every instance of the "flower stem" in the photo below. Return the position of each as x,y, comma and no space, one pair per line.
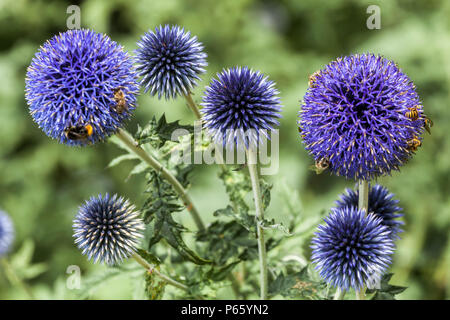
14,278
363,204
252,167
129,141
150,268
192,105
339,295
363,201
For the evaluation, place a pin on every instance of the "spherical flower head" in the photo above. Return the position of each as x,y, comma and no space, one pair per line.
107,229
240,106
6,233
356,116
169,61
81,87
352,249
381,204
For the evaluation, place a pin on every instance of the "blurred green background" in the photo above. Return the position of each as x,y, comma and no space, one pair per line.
42,183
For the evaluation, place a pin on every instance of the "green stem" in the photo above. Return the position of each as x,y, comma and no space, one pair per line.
363,201
14,278
252,167
192,105
129,141
363,204
339,295
167,279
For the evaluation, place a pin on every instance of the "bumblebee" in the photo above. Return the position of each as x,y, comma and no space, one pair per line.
412,114
428,123
78,132
312,79
413,144
320,165
121,103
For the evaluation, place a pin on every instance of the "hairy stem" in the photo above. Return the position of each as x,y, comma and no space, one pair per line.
252,167
192,105
167,279
129,141
363,204
339,295
14,278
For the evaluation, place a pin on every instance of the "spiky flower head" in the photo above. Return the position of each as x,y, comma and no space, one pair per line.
355,116
107,229
381,204
169,61
352,249
6,233
239,106
80,87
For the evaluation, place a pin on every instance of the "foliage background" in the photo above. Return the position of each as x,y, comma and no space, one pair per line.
42,182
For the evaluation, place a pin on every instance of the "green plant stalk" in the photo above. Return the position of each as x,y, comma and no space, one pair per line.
167,279
129,141
339,295
253,169
363,204
14,278
192,105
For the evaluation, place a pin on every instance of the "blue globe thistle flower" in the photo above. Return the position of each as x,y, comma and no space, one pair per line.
357,116
239,106
80,87
6,233
170,61
107,229
352,249
381,204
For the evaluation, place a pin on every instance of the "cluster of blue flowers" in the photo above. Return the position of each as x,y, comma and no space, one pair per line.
361,118
355,120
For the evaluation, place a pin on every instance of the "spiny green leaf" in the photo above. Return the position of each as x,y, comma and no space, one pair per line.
154,286
220,273
296,285
158,132
237,185
271,224
386,291
121,158
149,257
265,192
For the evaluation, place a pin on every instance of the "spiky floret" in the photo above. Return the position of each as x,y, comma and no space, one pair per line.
352,249
169,61
6,233
354,115
71,83
381,203
107,229
239,106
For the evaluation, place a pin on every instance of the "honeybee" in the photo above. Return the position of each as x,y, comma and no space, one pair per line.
412,114
312,79
428,123
413,144
320,165
78,132
121,103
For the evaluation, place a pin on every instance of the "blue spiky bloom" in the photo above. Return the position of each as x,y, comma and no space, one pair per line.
352,249
71,82
108,229
381,203
170,61
6,233
354,116
239,106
